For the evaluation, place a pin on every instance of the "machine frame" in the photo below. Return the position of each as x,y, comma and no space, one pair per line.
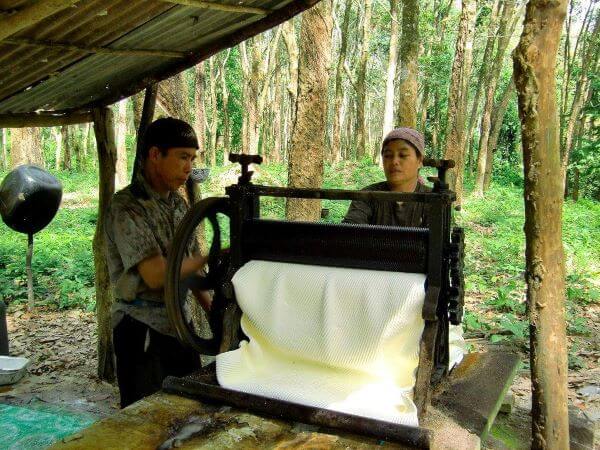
443,263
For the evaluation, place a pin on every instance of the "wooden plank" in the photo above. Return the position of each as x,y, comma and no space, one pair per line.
31,15
167,421
221,7
476,389
334,421
95,50
43,119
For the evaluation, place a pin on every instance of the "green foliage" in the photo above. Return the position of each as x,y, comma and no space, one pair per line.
62,261
495,260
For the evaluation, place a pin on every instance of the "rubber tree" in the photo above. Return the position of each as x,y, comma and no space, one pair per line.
458,95
305,161
535,79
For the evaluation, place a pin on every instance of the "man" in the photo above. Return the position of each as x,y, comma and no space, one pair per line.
141,223
402,152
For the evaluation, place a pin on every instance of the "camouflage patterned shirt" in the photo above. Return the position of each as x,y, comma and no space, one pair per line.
140,227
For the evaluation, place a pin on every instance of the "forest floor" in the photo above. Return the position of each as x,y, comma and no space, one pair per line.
59,335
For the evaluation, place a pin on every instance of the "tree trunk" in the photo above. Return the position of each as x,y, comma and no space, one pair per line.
226,124
214,116
574,115
91,144
409,65
534,72
492,82
436,119
338,118
120,132
589,61
200,116
569,59
138,105
458,95
107,158
388,114
56,132
146,118
289,38
76,147
3,142
498,113
424,106
258,64
308,136
246,103
66,144
173,96
253,93
361,87
277,105
26,147
267,70
575,195
85,131
482,77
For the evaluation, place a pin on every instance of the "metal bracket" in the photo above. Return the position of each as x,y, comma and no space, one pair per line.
456,292
245,161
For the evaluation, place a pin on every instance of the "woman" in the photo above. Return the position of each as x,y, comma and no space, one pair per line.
402,152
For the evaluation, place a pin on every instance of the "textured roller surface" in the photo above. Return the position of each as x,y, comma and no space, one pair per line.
372,247
335,338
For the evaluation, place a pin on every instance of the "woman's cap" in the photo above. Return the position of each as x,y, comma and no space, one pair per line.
410,135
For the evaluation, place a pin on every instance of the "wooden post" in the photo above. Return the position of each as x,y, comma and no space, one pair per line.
107,160
535,79
30,298
45,119
145,120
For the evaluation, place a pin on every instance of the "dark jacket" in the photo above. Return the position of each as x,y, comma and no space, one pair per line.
407,214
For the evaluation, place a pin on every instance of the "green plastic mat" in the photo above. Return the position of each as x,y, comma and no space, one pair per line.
34,428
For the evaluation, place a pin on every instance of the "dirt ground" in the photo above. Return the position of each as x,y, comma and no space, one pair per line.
61,346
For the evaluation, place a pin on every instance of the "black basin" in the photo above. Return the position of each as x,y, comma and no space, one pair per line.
29,199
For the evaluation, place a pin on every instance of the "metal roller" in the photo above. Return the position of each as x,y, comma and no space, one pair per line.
392,249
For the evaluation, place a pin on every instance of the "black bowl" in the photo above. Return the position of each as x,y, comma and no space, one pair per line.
29,199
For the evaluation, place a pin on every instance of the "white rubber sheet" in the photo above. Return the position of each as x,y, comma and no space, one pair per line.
342,339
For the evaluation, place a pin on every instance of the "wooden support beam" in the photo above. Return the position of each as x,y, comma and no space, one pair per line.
107,162
20,120
8,12
145,120
31,15
100,50
222,7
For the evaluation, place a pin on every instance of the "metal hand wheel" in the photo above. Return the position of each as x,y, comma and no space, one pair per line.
218,263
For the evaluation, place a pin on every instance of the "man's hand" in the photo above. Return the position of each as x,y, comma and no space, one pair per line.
153,270
204,298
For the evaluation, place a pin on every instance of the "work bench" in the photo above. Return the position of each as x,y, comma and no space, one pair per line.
166,420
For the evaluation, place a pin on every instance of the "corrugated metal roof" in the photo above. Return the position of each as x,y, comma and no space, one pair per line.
35,78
